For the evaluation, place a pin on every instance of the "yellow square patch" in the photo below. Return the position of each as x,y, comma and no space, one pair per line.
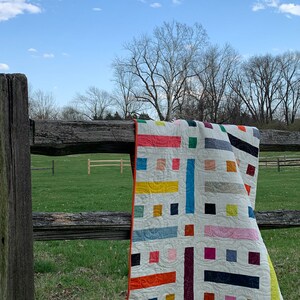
160,123
231,210
157,210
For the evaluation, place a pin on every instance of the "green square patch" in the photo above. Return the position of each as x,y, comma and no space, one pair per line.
141,121
192,142
222,128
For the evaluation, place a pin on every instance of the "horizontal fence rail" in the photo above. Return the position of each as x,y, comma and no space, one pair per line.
279,163
108,163
116,225
64,138
45,168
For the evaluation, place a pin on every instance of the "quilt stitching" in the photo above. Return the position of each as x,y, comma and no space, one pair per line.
194,233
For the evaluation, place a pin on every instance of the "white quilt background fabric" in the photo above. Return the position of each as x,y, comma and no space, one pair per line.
194,233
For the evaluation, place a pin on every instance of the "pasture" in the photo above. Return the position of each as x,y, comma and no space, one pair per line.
91,269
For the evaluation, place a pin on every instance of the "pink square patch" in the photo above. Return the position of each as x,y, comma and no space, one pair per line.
210,165
154,257
161,164
172,254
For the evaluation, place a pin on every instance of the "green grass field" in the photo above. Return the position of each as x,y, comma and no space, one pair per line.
98,269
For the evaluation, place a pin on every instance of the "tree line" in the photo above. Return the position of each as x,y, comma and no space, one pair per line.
176,73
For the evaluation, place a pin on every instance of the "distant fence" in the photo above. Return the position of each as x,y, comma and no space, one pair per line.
279,162
44,168
108,163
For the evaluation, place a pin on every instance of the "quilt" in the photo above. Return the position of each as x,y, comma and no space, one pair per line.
194,233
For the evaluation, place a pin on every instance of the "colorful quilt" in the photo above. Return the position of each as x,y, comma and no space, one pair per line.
194,233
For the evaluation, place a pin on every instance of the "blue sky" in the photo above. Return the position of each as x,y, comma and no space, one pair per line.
65,46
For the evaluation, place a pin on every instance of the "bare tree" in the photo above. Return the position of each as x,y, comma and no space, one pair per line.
93,104
124,93
192,104
290,85
42,105
162,64
208,92
257,84
70,113
213,74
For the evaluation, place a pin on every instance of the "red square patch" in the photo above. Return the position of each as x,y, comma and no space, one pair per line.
250,170
209,296
154,257
175,164
189,230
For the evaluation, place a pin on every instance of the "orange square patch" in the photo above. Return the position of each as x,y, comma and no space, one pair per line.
189,230
231,166
157,210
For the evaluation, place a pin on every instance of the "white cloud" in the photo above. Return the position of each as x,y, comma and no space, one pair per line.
65,54
176,2
272,3
4,67
258,6
48,55
11,8
97,9
290,8
155,5
32,50
263,4
286,8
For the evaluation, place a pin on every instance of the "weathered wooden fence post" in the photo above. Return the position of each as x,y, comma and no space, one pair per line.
52,167
89,167
16,251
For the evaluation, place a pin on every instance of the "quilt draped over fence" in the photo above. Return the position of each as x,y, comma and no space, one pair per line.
194,233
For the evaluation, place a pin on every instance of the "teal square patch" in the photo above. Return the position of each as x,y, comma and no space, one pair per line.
138,211
192,142
141,121
222,128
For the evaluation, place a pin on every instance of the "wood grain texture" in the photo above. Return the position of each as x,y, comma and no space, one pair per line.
64,138
279,140
116,225
16,252
85,225
278,219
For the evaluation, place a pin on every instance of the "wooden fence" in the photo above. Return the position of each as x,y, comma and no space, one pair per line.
108,163
116,225
279,162
44,168
18,226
